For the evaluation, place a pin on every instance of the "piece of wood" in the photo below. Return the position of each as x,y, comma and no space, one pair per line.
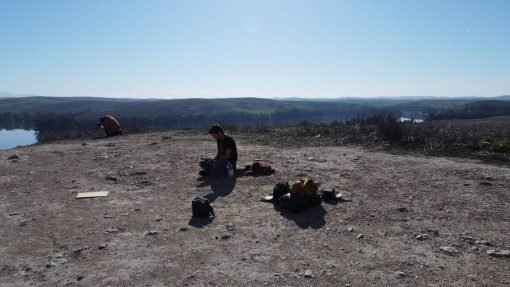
92,194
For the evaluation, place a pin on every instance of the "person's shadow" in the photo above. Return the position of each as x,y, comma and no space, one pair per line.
205,181
313,217
221,187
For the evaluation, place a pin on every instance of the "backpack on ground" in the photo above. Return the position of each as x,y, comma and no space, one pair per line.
280,189
200,207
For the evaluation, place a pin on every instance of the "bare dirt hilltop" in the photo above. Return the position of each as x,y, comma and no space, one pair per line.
411,221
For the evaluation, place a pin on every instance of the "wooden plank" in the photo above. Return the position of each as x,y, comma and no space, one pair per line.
92,194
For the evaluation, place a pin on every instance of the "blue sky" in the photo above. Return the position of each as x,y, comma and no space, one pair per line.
211,49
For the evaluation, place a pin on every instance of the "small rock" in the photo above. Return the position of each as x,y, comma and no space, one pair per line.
79,278
137,209
402,209
152,232
107,216
421,237
449,250
78,251
101,246
350,229
14,157
483,242
83,144
399,274
14,213
359,236
112,178
145,182
467,239
489,178
308,274
139,172
183,229
230,227
488,183
59,261
499,253
225,237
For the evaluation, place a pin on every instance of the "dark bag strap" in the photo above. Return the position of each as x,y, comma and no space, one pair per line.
212,211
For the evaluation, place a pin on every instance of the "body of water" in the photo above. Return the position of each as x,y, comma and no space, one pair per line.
13,138
409,119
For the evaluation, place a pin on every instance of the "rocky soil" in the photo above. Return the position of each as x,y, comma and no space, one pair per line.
410,221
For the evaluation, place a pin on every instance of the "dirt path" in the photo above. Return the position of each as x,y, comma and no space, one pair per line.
49,238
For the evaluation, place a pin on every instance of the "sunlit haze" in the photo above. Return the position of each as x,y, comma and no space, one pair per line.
216,49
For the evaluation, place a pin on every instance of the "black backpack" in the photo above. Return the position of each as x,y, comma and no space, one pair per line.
279,190
200,207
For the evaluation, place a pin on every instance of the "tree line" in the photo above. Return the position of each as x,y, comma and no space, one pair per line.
474,110
52,126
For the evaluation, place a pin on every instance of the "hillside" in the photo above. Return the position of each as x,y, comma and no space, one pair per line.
88,106
127,107
61,105
171,114
478,109
403,211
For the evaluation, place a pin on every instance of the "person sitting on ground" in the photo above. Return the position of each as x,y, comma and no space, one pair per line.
227,153
110,125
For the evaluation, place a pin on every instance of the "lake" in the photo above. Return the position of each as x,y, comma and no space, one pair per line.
13,138
402,119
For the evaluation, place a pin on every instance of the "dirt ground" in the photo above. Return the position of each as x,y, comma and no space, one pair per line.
402,210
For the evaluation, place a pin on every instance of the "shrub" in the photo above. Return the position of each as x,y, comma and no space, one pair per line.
389,128
502,146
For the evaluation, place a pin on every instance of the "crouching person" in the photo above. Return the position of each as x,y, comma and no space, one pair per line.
110,125
225,160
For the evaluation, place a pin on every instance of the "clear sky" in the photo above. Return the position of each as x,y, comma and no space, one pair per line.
273,48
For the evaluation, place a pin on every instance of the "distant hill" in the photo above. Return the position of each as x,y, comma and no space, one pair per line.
176,113
78,105
145,114
474,110
11,95
129,107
